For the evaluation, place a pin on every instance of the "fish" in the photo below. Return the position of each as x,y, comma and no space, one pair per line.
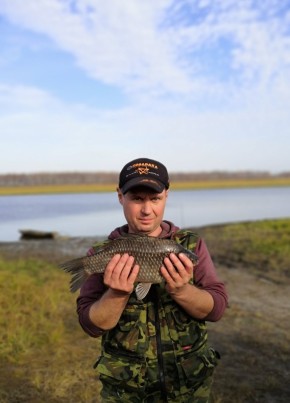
148,251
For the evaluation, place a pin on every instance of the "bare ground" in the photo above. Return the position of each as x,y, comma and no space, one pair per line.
253,339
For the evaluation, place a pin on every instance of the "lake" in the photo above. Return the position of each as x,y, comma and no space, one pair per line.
96,214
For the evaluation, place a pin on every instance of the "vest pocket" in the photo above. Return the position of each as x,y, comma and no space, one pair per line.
122,373
196,367
130,335
184,330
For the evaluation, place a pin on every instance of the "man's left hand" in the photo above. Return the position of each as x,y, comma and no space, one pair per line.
177,272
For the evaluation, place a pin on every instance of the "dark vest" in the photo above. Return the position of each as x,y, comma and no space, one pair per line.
156,344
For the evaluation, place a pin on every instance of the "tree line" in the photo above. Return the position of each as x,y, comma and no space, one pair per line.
76,178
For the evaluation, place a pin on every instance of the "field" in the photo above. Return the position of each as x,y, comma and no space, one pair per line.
175,185
46,357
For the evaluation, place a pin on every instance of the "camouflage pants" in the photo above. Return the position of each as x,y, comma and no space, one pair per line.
110,394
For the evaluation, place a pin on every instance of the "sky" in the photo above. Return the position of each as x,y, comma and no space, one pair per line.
88,85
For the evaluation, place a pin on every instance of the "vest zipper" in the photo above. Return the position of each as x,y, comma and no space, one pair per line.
159,348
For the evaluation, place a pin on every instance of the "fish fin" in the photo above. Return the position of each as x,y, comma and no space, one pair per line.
76,269
142,290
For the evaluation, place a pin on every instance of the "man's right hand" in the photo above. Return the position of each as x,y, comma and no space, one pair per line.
119,276
121,273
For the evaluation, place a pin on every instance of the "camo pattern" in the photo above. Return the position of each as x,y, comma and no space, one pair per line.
157,352
114,395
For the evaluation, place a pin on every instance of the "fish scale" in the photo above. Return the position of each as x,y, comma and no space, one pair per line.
149,253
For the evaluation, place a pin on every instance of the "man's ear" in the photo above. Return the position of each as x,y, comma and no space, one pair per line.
120,195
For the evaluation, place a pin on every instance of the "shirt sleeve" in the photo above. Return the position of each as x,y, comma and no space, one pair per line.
91,291
206,278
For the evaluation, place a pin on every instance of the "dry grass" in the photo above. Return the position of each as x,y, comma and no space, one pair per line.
55,189
44,354
111,187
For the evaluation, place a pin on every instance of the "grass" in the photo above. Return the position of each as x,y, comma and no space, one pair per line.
56,189
92,188
35,319
46,357
264,246
231,183
44,354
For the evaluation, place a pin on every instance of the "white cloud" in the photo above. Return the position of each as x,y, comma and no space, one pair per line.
209,82
50,135
23,97
117,44
141,46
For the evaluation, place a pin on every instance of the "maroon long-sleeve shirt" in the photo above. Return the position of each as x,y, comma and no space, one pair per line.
205,277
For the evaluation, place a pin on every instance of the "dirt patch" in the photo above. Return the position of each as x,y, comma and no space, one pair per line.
253,340
51,250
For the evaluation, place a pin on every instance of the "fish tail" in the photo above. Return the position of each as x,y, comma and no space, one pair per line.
76,269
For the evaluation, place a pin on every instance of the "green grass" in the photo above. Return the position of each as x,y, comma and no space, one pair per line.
264,246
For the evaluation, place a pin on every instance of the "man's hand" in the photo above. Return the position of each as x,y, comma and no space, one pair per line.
119,276
177,272
121,273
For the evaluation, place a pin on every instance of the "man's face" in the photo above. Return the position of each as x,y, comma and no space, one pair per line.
143,210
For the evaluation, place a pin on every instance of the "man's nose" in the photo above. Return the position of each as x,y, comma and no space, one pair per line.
146,208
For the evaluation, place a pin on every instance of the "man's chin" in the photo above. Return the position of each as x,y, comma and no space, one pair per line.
148,229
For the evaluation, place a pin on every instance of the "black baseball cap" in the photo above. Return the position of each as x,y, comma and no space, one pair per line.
144,172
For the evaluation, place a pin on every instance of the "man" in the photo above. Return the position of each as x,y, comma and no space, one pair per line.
155,349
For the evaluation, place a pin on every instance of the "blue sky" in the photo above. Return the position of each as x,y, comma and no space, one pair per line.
87,85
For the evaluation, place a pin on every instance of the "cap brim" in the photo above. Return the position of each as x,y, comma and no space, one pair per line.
157,186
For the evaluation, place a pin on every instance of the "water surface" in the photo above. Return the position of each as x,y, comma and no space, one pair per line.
98,213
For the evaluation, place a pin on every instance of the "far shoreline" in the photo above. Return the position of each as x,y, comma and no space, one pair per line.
104,188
